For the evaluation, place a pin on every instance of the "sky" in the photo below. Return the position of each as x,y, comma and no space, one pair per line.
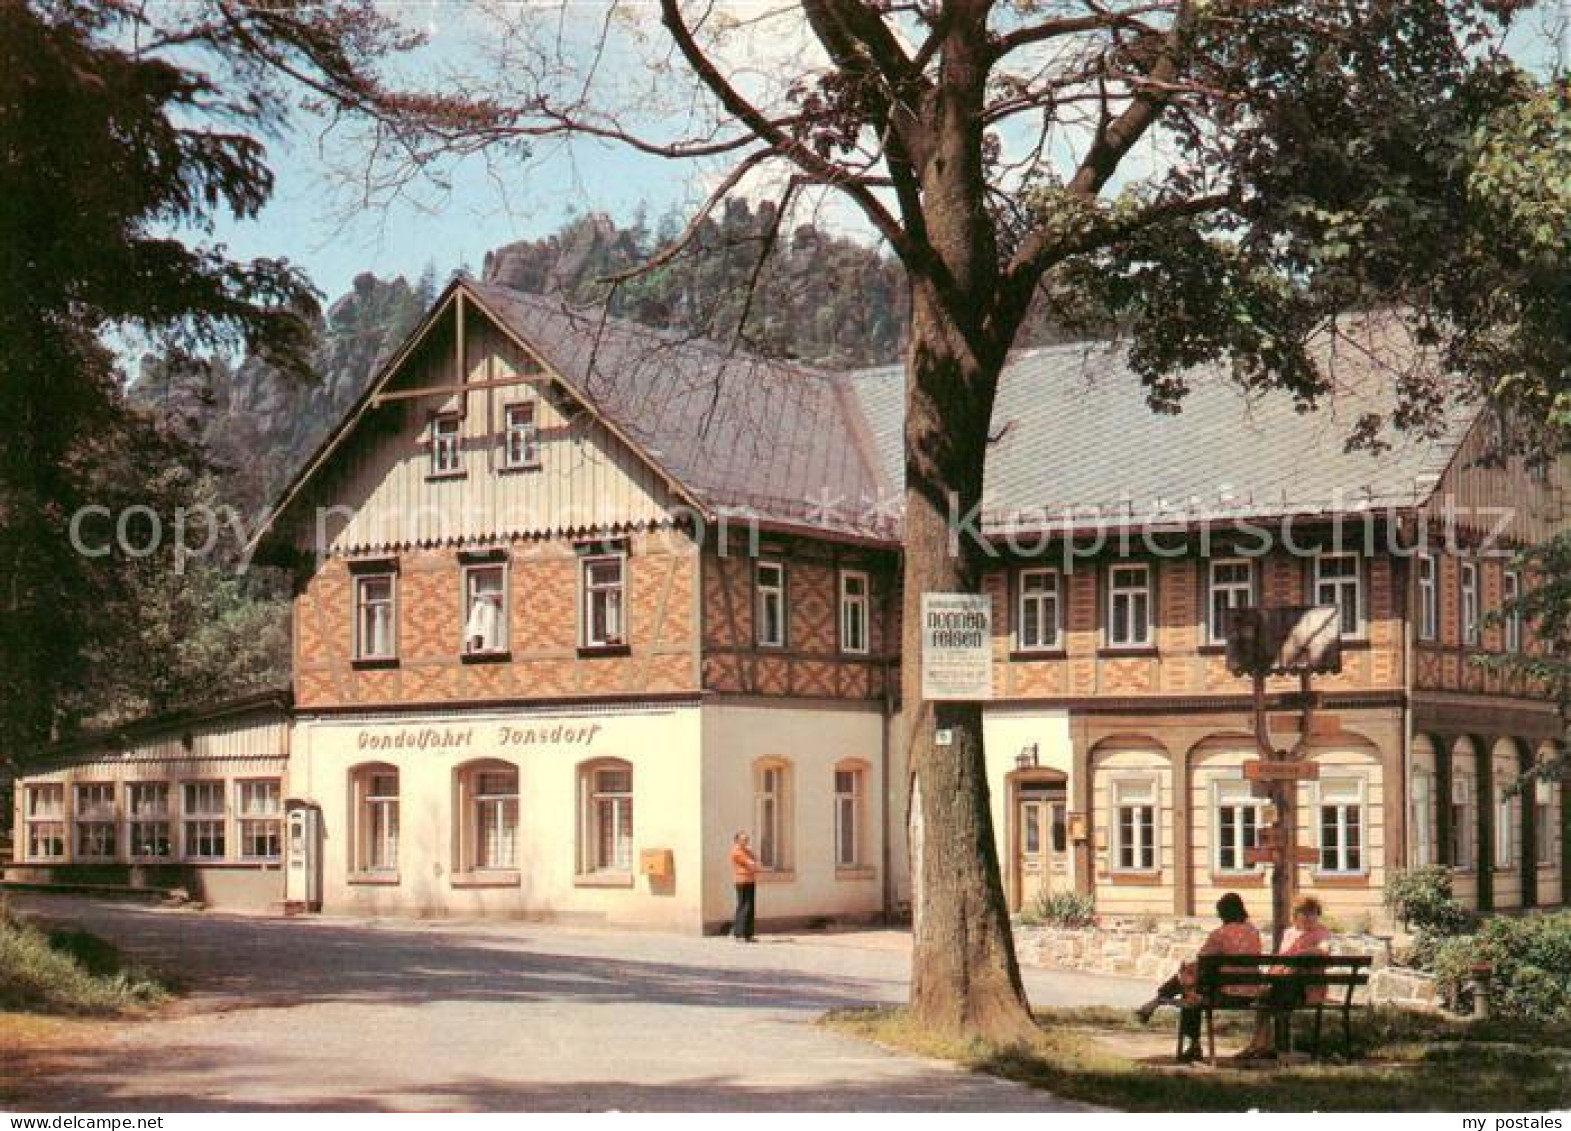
317,222
306,220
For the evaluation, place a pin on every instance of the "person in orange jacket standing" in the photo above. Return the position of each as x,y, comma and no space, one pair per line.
744,870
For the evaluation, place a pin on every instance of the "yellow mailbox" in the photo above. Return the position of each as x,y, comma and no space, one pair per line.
655,863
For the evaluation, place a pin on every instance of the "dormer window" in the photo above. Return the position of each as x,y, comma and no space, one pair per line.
520,440
446,457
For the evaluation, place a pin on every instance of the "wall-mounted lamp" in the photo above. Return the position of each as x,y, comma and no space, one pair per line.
1026,759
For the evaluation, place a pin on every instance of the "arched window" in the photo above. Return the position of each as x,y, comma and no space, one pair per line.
374,819
605,825
487,818
850,814
772,812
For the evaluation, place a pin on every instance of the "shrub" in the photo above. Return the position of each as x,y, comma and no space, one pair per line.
70,972
1530,961
1421,900
1065,909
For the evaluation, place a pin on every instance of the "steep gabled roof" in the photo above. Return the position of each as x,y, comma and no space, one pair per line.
1073,435
731,433
1074,441
778,440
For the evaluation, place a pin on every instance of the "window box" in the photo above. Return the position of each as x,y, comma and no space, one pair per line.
856,874
373,663
590,651
1034,655
373,879
485,657
486,879
603,880
1136,879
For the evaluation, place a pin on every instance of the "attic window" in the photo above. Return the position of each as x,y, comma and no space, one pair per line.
446,456
520,438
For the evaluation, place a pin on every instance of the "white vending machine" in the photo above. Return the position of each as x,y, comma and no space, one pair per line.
302,857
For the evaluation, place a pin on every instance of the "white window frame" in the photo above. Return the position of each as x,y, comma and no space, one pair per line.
361,607
1421,817
203,819
1133,596
613,634
1511,590
766,593
500,643
1464,823
855,621
1428,597
850,782
772,814
520,436
95,828
1047,605
1467,589
601,804
491,796
447,450
1145,854
1342,849
1330,590
35,820
378,819
140,819
259,816
1235,794
1216,633
1544,824
1508,816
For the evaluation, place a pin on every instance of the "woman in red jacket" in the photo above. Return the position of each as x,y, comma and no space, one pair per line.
1236,935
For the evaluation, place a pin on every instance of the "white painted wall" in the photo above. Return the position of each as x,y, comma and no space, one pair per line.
813,740
661,743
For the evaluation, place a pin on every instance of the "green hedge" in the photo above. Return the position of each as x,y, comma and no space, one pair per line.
67,972
1530,961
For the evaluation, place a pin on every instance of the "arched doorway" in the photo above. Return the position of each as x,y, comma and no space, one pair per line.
1038,836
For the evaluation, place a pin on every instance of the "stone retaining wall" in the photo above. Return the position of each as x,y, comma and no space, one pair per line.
1155,949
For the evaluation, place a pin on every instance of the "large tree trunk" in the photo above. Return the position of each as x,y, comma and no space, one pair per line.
964,978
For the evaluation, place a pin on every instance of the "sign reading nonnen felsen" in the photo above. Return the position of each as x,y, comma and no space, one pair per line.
957,647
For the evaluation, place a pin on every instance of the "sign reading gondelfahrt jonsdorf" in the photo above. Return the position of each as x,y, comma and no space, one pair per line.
957,647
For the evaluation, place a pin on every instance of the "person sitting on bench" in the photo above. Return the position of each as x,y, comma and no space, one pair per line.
1307,935
1236,935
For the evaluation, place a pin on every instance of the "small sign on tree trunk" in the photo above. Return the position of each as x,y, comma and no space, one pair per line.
957,647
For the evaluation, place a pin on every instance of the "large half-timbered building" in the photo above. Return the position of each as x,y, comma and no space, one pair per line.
577,600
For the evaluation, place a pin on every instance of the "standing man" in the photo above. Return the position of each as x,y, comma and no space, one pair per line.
744,869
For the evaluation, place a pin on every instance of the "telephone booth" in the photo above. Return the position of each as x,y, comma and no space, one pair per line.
302,857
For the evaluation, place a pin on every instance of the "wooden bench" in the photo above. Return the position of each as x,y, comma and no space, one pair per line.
1344,973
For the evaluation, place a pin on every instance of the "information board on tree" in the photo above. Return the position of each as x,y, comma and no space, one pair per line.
957,647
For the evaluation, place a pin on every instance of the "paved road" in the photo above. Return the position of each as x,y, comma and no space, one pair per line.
340,1014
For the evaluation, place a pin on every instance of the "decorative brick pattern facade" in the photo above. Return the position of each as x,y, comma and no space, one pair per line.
812,663
544,660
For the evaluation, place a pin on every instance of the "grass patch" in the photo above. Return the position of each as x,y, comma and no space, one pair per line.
68,972
1406,1062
